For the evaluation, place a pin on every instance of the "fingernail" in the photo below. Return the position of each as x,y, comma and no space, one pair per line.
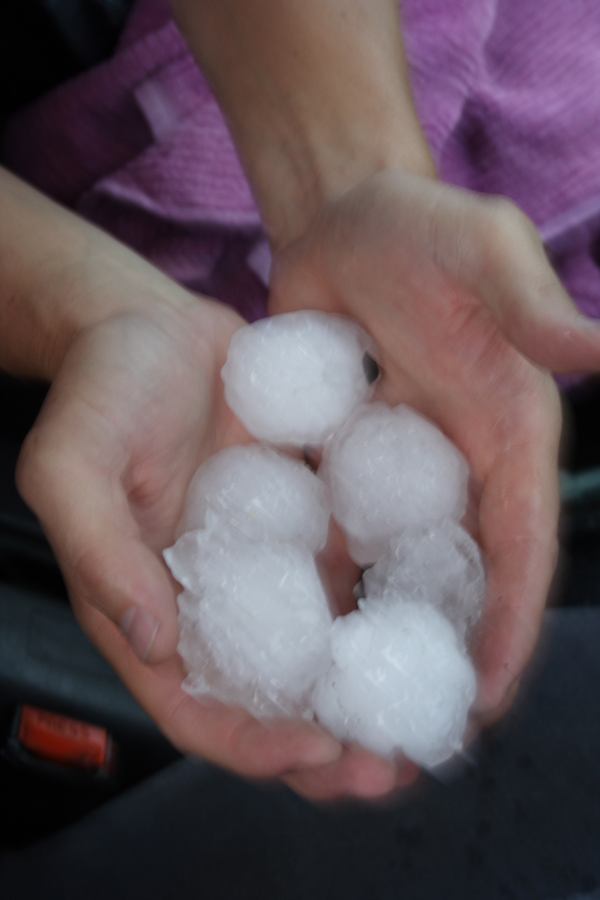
407,775
140,628
321,752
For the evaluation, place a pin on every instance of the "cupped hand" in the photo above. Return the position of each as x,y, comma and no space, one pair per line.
468,316
136,405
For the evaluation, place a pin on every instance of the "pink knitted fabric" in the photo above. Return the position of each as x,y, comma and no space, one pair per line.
506,90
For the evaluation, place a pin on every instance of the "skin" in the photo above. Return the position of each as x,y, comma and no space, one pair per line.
455,289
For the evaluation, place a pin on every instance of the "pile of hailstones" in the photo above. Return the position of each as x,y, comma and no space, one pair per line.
256,628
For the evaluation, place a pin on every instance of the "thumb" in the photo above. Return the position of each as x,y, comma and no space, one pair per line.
86,517
518,284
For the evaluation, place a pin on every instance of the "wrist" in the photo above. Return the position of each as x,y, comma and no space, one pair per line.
294,183
316,95
59,276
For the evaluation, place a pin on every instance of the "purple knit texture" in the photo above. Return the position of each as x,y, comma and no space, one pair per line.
507,91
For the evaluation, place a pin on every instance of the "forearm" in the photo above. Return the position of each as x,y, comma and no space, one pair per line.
316,93
57,277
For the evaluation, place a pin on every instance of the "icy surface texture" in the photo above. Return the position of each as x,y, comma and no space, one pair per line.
390,469
255,626
261,493
294,378
400,681
441,565
254,621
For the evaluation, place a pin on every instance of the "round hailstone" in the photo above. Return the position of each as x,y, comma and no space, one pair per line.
254,622
441,565
262,494
400,681
294,378
391,469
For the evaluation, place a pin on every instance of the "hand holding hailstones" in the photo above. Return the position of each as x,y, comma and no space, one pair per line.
255,623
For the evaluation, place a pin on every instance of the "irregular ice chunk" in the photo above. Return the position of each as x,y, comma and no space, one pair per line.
264,495
391,469
440,565
294,378
254,621
399,681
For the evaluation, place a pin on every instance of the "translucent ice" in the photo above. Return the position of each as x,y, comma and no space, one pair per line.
294,378
263,494
255,625
440,564
391,469
400,681
254,621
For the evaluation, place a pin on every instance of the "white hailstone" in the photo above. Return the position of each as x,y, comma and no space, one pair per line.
441,565
254,621
390,469
400,682
294,378
262,494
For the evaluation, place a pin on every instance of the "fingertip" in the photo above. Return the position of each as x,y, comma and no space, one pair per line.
569,343
356,775
493,704
493,678
314,748
376,782
317,754
368,776
407,774
489,698
586,341
260,749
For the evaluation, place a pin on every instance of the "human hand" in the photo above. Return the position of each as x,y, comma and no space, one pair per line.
136,405
467,314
